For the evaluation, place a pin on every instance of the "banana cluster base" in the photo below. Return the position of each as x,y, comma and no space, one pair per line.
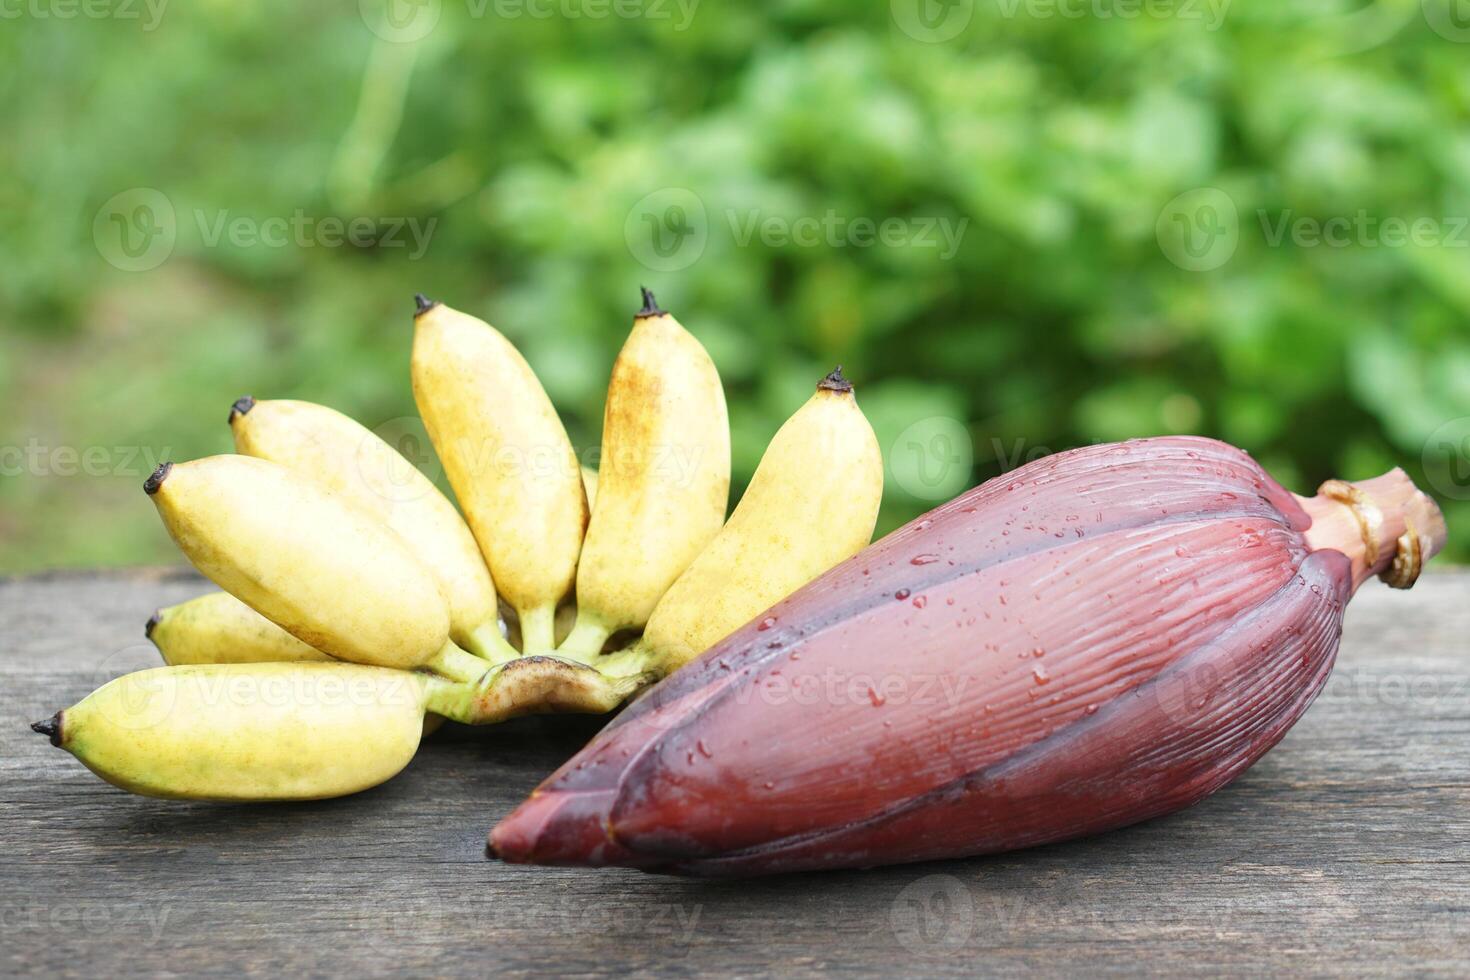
1343,850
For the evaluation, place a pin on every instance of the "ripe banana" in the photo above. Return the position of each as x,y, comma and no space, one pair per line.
315,565
274,731
350,460
812,503
1103,636
219,629
664,480
507,457
294,731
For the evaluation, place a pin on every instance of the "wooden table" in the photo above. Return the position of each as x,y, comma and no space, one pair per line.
1346,849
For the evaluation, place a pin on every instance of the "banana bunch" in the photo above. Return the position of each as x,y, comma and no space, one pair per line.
359,608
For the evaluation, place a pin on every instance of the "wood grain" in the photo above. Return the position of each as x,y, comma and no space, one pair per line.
1347,849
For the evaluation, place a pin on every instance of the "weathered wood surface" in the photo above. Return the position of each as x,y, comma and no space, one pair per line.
1347,849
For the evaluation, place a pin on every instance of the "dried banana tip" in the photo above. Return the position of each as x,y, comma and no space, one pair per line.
422,304
650,305
835,381
242,406
51,728
151,485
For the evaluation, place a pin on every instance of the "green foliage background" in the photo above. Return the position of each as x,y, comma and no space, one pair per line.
531,141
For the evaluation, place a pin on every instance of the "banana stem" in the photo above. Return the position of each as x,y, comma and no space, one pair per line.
634,661
538,628
584,643
488,643
455,664
453,700
529,685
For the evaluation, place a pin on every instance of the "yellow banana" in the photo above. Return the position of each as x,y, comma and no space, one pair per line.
219,629
664,480
350,460
280,731
507,457
296,731
812,503
315,565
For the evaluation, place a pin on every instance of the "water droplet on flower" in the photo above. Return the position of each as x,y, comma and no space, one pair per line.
766,623
920,602
1091,709
902,594
923,559
1039,672
877,699
704,749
